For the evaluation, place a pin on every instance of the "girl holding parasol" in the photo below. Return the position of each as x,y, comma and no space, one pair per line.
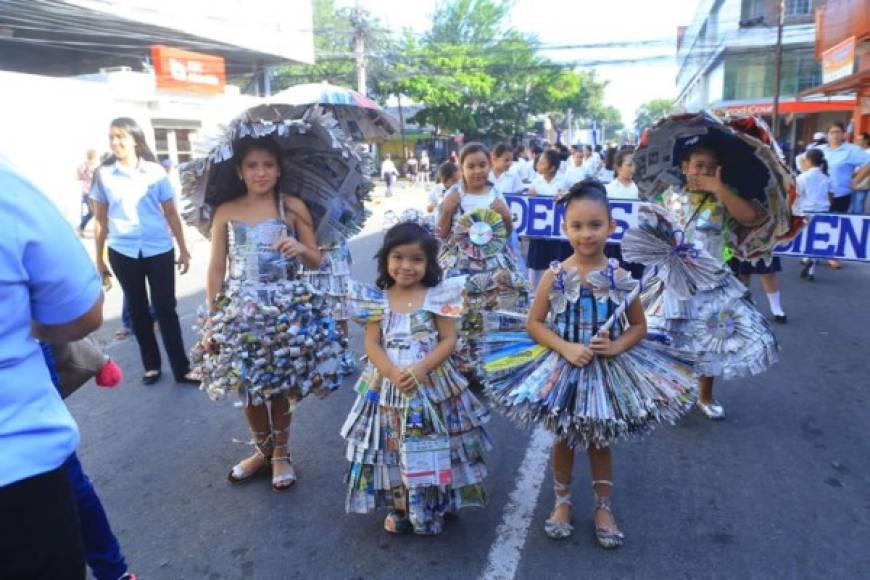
268,335
728,192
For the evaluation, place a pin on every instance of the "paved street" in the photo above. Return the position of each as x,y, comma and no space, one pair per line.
781,489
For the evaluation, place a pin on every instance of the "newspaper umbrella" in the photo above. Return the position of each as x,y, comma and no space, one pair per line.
360,118
751,164
319,165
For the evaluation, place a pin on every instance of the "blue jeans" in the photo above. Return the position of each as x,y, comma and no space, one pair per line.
102,552
857,205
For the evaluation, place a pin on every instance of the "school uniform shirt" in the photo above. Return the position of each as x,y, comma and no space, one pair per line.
575,173
842,163
558,186
388,167
615,189
47,277
812,192
523,169
509,183
592,166
606,175
137,226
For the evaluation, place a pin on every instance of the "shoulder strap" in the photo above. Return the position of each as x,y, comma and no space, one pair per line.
282,213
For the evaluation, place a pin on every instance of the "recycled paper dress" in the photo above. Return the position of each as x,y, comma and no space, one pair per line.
374,426
477,247
716,322
332,276
273,333
611,397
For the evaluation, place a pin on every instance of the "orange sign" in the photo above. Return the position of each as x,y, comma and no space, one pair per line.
787,107
188,72
838,61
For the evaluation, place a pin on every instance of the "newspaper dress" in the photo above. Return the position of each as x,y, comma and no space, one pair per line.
478,247
374,426
717,322
332,276
611,397
271,332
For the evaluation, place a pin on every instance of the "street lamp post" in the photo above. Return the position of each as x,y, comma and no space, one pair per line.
777,74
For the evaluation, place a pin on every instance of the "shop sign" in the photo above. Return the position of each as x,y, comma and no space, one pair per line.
838,61
190,72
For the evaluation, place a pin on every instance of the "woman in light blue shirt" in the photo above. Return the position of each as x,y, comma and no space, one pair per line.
134,207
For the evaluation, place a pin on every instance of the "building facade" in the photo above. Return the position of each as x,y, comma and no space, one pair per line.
67,67
726,63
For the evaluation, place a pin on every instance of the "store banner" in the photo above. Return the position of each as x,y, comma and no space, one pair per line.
845,237
188,72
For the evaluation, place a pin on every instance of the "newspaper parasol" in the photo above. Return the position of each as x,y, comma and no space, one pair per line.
751,162
360,118
319,165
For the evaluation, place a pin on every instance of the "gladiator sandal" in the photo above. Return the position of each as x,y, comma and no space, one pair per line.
555,529
263,448
608,538
284,481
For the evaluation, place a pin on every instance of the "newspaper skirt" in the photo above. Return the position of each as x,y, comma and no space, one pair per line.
332,277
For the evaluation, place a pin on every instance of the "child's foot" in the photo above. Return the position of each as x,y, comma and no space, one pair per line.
606,531
283,474
251,465
558,525
712,409
397,522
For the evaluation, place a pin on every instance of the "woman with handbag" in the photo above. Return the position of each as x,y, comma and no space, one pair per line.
134,206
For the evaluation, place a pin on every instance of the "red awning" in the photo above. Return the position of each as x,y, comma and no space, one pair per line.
851,84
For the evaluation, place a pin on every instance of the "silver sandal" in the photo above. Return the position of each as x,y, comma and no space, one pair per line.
285,481
263,446
607,538
557,530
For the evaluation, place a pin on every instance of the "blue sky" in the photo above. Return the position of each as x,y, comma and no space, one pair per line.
584,22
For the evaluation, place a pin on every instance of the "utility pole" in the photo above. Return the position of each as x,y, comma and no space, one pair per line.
777,74
359,39
402,125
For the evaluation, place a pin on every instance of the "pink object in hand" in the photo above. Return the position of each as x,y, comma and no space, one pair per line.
110,375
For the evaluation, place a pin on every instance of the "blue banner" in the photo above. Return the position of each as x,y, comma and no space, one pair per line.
845,237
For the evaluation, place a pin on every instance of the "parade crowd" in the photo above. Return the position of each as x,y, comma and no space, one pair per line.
593,342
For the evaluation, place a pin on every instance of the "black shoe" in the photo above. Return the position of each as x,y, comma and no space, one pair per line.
191,378
811,277
150,379
781,319
805,269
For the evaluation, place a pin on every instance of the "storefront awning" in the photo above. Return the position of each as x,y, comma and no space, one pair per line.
853,83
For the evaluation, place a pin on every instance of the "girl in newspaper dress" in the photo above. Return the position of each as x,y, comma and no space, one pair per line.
581,371
410,387
268,336
720,325
476,223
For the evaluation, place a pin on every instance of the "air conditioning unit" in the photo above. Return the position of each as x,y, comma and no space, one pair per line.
114,69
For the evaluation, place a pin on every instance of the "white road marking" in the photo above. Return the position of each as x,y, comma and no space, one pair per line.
505,553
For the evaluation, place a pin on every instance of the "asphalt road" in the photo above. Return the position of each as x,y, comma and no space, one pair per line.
781,489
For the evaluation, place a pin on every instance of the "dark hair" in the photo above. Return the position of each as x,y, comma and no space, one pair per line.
865,136
500,150
132,128
701,149
446,170
225,181
409,233
610,158
838,124
817,159
553,158
588,148
590,189
621,156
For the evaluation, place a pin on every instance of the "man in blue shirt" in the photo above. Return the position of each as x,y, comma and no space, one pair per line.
50,290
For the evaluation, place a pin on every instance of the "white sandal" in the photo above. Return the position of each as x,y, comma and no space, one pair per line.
554,529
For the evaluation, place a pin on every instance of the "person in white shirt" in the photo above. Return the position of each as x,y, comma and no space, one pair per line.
608,173
388,173
592,164
813,195
424,167
522,167
447,178
501,177
623,187
548,183
575,171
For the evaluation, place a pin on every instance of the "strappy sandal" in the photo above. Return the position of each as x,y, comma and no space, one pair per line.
608,538
263,448
555,529
284,481
397,522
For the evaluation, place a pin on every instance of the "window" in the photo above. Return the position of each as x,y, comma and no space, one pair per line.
752,10
175,145
798,7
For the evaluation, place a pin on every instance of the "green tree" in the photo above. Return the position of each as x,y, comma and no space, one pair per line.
651,111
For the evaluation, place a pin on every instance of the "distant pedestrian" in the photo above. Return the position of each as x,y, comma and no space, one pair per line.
388,173
813,196
505,181
447,178
85,176
425,167
411,168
